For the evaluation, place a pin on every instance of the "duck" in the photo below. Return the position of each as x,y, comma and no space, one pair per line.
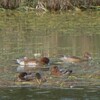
25,76
29,76
32,62
75,59
28,62
57,72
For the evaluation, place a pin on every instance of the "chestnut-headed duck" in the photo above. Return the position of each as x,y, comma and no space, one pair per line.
32,62
74,59
28,62
57,72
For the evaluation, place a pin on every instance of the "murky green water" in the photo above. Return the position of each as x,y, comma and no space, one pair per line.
26,33
23,34
30,93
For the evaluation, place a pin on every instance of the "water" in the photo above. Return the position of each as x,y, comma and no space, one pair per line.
29,93
25,33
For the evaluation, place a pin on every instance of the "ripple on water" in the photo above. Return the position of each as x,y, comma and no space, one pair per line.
5,97
30,93
43,92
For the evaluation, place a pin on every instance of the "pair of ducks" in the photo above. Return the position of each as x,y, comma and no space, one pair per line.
25,76
74,59
33,62
45,60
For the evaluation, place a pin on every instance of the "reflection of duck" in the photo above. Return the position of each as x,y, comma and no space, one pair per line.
20,68
74,59
32,62
56,72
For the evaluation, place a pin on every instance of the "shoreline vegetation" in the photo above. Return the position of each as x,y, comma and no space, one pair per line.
51,5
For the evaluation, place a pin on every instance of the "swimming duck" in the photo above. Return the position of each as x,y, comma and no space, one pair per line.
74,59
28,62
24,76
32,62
57,72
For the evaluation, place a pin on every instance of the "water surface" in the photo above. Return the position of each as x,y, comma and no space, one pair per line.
25,33
24,93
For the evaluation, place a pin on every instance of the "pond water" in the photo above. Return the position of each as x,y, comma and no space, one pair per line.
25,34
24,93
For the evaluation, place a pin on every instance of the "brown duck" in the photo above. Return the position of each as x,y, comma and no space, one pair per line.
32,62
74,59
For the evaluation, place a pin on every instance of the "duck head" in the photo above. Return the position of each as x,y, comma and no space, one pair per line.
44,60
55,70
22,75
38,78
